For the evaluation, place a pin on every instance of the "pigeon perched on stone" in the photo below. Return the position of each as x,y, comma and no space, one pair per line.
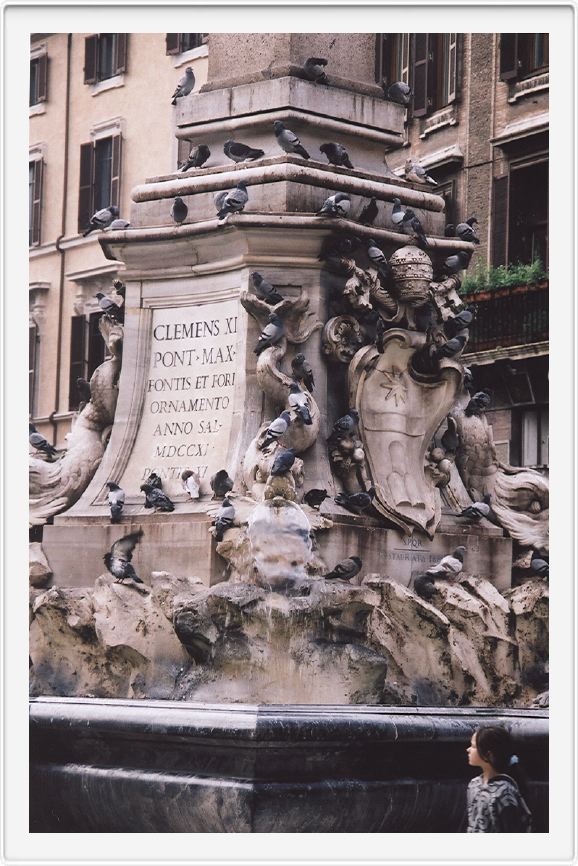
288,140
115,500
337,205
357,503
118,561
154,481
417,174
239,152
221,484
399,92
155,498
185,85
466,232
191,484
303,371
83,390
315,69
424,586
478,403
119,225
410,225
336,154
224,518
197,157
39,443
264,289
377,258
299,403
477,510
397,213
450,348
369,213
232,201
276,429
271,334
107,306
450,566
346,425
315,497
458,323
179,210
346,569
456,262
283,461
539,565
101,219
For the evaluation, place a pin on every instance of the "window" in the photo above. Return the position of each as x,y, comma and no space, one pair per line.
179,42
34,201
520,213
392,57
447,189
99,186
104,56
38,79
434,76
530,436
523,55
87,352
32,366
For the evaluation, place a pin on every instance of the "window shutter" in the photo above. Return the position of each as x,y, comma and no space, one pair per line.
380,39
43,78
420,74
77,349
452,66
500,221
508,56
90,59
32,353
115,171
173,43
405,57
96,344
120,52
85,208
37,201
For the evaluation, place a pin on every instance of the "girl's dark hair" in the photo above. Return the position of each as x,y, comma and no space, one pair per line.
496,745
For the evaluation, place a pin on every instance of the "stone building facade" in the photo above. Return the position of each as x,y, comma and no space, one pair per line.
479,124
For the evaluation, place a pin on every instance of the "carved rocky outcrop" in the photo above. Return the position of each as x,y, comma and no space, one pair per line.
54,487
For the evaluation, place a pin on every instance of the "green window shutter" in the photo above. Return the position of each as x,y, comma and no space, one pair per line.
420,74
85,208
115,172
508,56
500,220
43,78
90,59
452,72
77,351
37,201
173,43
120,52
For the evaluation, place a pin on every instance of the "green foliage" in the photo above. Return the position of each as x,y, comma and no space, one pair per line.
486,279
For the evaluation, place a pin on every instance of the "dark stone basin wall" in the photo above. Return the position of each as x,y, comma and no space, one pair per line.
111,766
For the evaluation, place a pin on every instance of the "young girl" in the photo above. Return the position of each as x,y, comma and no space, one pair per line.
496,801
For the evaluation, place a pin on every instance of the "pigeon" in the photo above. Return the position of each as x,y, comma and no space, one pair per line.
276,429
39,443
154,481
337,205
450,348
115,500
271,334
456,262
315,497
106,305
221,484
224,519
540,566
397,213
369,213
118,561
283,461
315,69
469,380
346,569
179,210
336,154
265,290
101,219
399,92
190,481
288,140
303,371
299,403
241,152
424,586
346,425
155,498
466,232
119,225
449,566
417,174
232,201
185,85
450,439
336,246
452,327
477,510
478,404
83,390
357,503
411,225
377,257
197,157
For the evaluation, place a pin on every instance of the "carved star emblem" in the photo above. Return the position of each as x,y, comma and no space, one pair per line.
395,387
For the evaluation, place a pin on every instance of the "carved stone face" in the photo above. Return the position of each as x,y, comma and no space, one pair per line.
278,531
412,273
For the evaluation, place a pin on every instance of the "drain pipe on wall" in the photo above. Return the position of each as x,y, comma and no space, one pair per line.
58,242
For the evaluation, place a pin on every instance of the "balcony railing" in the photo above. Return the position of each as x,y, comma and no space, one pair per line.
509,317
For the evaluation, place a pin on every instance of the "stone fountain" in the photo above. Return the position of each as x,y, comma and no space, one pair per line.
236,648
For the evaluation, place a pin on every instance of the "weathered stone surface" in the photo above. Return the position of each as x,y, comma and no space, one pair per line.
39,571
530,605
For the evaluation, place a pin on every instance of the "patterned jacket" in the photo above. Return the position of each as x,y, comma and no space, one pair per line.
497,807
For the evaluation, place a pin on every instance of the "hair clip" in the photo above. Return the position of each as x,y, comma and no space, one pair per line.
514,760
